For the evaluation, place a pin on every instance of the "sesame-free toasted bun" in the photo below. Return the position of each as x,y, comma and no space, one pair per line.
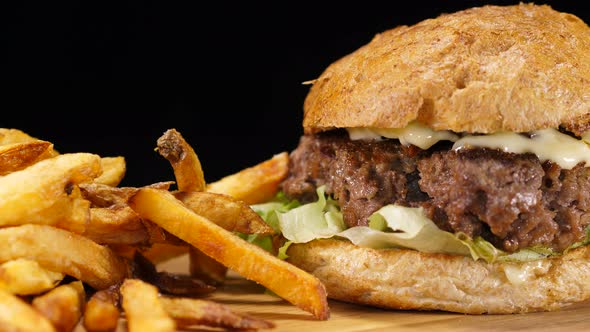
408,279
487,69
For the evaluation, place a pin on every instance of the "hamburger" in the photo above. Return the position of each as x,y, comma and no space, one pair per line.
445,166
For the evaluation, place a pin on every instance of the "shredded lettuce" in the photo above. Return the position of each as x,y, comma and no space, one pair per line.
263,241
303,223
269,211
321,219
283,250
409,228
392,226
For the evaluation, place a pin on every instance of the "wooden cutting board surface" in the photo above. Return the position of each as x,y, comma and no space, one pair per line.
245,296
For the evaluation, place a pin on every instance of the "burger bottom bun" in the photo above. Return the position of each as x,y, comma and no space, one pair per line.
408,279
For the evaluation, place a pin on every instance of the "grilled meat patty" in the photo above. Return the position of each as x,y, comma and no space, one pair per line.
512,200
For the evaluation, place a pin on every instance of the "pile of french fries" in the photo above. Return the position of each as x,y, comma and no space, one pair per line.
76,249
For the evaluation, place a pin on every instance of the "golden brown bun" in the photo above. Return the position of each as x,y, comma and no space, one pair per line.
487,69
408,279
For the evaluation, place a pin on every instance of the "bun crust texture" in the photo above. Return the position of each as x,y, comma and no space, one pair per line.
482,70
408,279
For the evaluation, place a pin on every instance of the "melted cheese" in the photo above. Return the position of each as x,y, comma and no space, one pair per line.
547,144
414,134
521,273
363,134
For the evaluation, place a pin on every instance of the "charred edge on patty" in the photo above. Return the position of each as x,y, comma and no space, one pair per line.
512,200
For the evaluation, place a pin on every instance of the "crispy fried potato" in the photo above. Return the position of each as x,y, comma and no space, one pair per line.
255,184
117,224
113,171
161,252
143,309
27,277
206,268
189,312
17,315
62,305
101,195
11,136
187,167
156,253
102,311
190,179
112,221
47,192
65,252
168,283
181,285
17,156
226,211
289,282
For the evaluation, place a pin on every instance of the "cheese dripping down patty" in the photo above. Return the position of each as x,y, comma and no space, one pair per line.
546,144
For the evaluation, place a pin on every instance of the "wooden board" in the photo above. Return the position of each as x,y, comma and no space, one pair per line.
245,296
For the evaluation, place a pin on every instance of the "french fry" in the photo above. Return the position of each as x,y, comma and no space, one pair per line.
10,136
65,252
101,195
168,283
143,309
161,252
102,313
62,306
189,312
113,171
181,285
17,315
27,277
47,192
17,156
190,179
225,211
112,221
289,282
187,167
254,184
206,268
156,253
117,224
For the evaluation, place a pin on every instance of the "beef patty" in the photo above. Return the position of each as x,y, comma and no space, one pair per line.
512,200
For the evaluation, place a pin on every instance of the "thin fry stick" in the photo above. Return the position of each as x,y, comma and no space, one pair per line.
188,312
254,184
62,305
17,156
187,167
289,282
143,309
113,171
226,211
17,315
47,192
66,252
27,277
102,312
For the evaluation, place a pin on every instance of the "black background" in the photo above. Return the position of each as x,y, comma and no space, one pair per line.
111,78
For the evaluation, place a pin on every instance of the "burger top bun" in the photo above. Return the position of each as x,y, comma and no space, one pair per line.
482,70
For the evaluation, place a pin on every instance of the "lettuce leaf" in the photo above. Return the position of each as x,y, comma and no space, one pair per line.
321,219
392,226
409,228
269,211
